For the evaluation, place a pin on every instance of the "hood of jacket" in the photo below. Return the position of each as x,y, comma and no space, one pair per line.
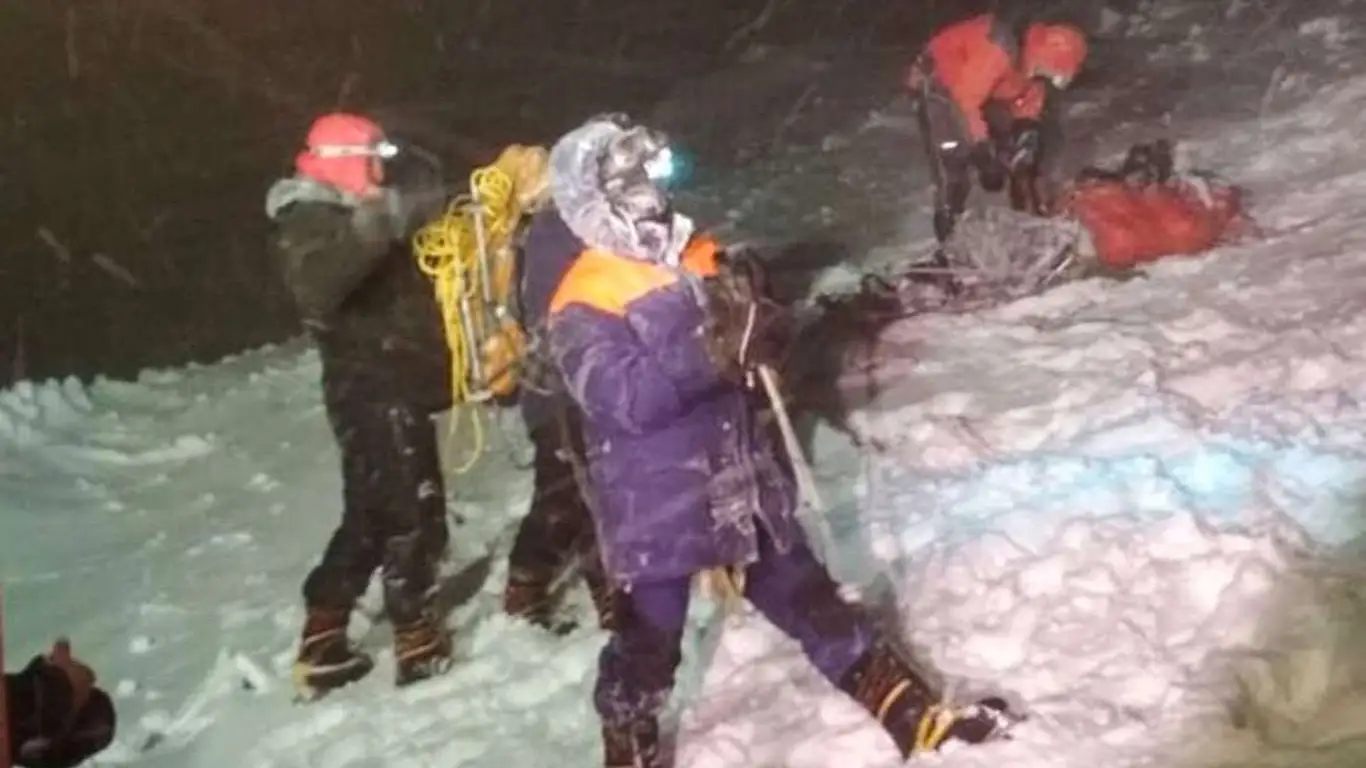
590,213
300,189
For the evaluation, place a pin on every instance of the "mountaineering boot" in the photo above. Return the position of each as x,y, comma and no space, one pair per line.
603,595
632,745
327,659
527,596
912,714
942,271
422,650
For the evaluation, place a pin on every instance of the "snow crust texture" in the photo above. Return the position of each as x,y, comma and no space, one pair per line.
1134,508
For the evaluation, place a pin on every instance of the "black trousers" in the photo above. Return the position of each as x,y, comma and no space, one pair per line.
393,509
952,156
558,526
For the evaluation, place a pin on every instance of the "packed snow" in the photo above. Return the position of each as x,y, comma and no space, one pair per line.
1133,507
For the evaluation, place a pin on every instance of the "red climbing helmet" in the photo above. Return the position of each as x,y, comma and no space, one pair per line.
345,150
1055,52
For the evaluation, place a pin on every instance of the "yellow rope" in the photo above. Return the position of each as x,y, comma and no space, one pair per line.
468,253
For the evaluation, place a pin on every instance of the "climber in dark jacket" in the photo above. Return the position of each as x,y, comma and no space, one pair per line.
54,714
559,526
342,234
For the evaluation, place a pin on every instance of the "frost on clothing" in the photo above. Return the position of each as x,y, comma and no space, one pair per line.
547,252
385,370
681,471
357,288
592,216
558,526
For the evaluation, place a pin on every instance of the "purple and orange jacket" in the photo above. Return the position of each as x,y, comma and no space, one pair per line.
681,473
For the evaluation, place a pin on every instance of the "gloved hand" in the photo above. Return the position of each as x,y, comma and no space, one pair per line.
1024,148
745,328
60,718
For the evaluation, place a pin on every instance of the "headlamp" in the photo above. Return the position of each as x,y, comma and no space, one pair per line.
383,149
662,167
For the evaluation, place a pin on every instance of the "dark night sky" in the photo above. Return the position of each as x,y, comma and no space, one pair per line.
142,135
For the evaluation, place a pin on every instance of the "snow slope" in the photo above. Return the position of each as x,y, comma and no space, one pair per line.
1114,501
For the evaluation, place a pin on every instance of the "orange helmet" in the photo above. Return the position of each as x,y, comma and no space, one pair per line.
1054,51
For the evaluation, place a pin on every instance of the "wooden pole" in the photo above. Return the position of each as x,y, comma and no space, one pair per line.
4,708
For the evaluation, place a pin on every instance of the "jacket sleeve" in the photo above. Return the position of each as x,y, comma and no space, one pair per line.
628,372
324,258
1024,96
971,94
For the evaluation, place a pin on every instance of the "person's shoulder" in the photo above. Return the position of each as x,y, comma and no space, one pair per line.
610,284
298,199
312,217
548,229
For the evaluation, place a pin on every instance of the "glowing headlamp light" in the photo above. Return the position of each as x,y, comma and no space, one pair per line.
662,167
385,150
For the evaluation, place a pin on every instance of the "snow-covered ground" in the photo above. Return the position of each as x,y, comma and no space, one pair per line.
1123,504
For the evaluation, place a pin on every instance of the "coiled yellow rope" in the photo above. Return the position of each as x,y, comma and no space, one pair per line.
469,255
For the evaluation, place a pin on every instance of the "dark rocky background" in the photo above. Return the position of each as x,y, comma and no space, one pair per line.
140,135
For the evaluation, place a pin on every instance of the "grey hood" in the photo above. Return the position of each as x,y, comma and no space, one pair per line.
595,218
297,189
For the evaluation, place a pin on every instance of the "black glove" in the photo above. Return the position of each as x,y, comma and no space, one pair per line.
1025,147
55,725
745,327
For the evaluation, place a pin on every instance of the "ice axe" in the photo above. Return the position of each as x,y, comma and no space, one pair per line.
726,585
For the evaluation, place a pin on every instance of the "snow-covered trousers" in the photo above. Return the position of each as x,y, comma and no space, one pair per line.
393,509
558,526
794,591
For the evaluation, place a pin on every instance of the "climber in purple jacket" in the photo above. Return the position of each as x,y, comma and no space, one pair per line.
683,477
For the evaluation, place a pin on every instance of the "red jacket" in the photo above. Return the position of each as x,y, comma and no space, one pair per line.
977,61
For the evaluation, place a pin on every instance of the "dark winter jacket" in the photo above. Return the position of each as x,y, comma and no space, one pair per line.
40,715
548,251
361,295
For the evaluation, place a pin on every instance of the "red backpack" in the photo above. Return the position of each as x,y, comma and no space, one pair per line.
1133,223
